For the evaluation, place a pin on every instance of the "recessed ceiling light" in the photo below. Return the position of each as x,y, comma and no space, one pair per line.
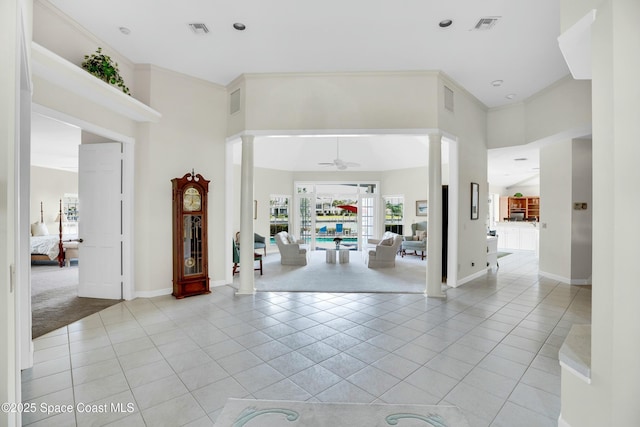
239,26
511,96
520,159
445,23
125,31
497,83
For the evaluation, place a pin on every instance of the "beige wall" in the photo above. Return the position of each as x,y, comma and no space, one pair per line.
57,33
564,108
341,101
612,397
555,210
190,135
49,186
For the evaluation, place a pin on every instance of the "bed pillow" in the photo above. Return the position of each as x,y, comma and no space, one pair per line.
39,229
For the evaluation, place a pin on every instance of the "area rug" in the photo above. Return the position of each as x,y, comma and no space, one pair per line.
408,276
501,254
274,413
54,299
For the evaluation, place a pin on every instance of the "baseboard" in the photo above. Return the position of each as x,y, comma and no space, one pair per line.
217,283
470,278
151,294
565,279
168,291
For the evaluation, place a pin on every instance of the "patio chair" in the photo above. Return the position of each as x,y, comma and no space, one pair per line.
339,229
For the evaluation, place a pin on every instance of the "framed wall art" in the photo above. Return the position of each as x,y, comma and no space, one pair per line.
422,208
475,196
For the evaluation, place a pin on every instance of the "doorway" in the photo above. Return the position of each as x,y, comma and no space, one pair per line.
58,181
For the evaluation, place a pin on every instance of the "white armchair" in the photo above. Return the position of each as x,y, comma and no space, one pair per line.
292,251
385,251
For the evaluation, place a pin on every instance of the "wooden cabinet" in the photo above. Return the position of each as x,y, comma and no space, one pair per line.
190,243
525,207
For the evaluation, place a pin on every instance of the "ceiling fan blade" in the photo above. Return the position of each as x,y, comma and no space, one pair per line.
325,164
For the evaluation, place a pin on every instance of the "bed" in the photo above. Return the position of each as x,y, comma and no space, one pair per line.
51,247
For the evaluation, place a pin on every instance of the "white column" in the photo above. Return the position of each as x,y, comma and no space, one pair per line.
434,224
246,218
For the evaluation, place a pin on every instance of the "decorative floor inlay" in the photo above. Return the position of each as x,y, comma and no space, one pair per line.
276,413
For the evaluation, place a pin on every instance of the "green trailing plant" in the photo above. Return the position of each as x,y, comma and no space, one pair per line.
103,67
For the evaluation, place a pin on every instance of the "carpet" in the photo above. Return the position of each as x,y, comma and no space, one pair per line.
274,413
54,299
408,276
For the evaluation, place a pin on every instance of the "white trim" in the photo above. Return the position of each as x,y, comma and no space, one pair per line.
562,422
565,279
152,294
57,70
469,278
575,372
310,133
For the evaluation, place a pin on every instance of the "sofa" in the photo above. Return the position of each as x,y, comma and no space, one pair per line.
417,242
383,254
292,250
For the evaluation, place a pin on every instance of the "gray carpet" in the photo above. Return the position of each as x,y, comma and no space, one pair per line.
54,299
408,276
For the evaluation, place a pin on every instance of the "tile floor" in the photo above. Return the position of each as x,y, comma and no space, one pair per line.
491,348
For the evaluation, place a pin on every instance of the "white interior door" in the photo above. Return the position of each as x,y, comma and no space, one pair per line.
100,221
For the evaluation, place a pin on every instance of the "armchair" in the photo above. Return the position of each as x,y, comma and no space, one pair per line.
259,242
385,251
292,251
236,259
417,241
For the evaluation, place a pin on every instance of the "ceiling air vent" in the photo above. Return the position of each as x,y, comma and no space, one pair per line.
486,23
199,28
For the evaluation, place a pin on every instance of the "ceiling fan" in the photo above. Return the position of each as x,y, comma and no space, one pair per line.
338,162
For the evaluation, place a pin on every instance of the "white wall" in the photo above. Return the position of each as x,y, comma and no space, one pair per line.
413,184
526,190
189,136
612,397
555,209
49,186
8,112
54,31
403,100
581,220
562,108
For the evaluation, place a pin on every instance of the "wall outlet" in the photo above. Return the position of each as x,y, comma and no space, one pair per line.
473,264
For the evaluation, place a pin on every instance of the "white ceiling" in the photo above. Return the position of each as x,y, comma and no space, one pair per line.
338,36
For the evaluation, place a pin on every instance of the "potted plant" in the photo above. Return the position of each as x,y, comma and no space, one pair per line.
103,67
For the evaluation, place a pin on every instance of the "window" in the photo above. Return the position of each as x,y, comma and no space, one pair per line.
278,215
393,213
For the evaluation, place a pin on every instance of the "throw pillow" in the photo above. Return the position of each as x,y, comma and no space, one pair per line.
39,229
291,238
387,242
421,234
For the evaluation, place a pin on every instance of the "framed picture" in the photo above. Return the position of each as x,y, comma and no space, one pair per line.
475,196
255,209
422,208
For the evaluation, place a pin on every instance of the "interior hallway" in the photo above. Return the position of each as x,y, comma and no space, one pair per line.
490,348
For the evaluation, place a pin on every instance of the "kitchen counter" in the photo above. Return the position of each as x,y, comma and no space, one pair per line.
518,235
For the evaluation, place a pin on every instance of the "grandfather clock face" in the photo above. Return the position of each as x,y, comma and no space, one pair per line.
191,200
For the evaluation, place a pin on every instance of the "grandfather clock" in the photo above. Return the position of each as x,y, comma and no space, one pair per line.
190,264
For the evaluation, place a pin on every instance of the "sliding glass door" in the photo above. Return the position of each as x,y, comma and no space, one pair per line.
329,211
